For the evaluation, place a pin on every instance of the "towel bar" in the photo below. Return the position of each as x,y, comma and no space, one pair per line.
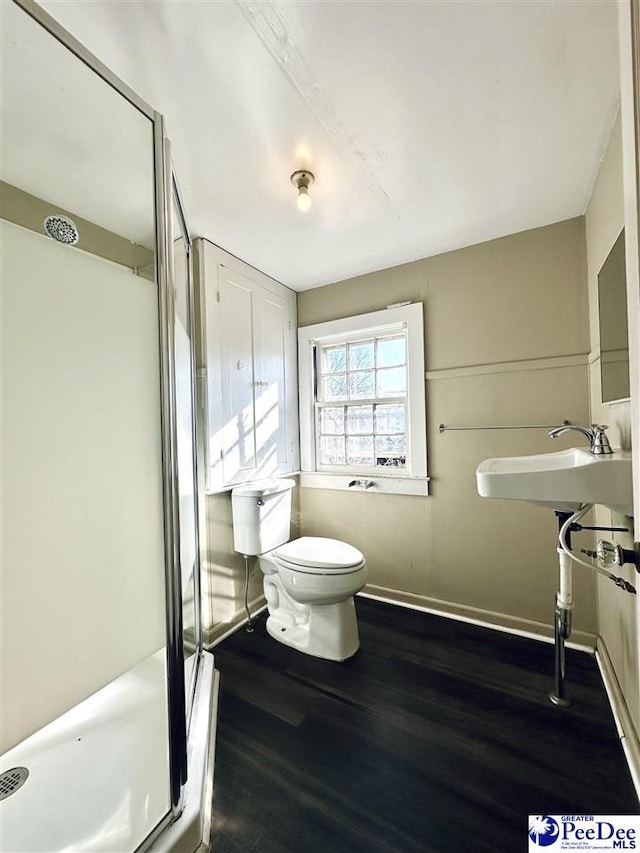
444,428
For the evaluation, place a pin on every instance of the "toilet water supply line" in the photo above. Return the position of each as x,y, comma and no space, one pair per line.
249,624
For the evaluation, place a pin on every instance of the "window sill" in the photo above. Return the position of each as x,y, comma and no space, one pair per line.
381,483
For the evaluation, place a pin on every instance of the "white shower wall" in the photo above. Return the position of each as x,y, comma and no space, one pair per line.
82,536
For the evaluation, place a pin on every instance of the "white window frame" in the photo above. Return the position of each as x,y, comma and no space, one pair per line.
412,479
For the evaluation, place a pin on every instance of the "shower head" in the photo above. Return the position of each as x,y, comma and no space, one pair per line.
62,229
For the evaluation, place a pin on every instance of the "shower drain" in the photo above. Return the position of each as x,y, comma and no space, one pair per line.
11,780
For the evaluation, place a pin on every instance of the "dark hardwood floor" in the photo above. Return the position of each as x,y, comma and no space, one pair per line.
437,736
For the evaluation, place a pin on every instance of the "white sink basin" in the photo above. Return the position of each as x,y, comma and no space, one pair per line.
560,481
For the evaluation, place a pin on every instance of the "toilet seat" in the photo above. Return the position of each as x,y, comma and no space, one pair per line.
318,555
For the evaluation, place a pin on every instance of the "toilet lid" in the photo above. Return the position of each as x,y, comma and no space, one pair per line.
316,552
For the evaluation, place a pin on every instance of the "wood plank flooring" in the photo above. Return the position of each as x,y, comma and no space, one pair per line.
437,736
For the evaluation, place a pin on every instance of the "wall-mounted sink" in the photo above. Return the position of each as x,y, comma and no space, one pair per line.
560,481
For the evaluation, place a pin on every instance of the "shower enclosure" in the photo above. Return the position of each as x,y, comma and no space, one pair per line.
108,700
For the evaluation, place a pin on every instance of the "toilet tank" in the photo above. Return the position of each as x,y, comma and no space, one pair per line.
261,515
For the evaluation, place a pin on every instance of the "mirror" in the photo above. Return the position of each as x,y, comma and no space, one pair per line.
612,309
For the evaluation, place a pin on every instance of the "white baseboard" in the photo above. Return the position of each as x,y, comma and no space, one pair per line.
220,632
624,723
581,640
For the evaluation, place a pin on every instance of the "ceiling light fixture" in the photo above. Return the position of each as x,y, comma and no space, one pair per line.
302,180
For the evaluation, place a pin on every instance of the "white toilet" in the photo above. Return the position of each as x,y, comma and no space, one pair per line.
309,583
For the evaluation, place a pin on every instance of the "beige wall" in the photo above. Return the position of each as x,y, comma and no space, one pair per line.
223,571
506,337
617,612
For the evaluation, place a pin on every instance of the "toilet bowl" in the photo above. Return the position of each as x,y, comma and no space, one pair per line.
309,583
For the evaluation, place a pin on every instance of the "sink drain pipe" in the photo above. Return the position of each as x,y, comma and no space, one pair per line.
568,522
564,607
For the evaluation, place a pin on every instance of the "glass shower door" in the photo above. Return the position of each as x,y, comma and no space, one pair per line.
186,442
93,709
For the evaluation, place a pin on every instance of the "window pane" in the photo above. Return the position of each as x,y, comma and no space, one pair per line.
389,419
391,461
334,359
392,382
361,385
334,387
387,445
361,355
360,419
332,450
391,351
360,450
332,421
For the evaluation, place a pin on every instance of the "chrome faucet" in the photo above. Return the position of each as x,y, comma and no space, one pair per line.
595,435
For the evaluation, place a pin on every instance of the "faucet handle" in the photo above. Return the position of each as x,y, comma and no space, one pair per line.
600,445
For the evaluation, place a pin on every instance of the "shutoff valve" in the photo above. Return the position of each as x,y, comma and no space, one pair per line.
611,554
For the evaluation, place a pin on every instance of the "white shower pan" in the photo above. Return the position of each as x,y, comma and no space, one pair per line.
98,775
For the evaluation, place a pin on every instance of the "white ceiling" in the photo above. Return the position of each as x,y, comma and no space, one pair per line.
429,125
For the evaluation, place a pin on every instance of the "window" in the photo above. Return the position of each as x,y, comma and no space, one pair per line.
361,397
362,402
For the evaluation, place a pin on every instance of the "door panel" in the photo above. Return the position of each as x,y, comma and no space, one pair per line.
271,324
238,430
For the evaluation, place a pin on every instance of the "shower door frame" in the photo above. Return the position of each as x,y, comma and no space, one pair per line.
177,728
173,195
